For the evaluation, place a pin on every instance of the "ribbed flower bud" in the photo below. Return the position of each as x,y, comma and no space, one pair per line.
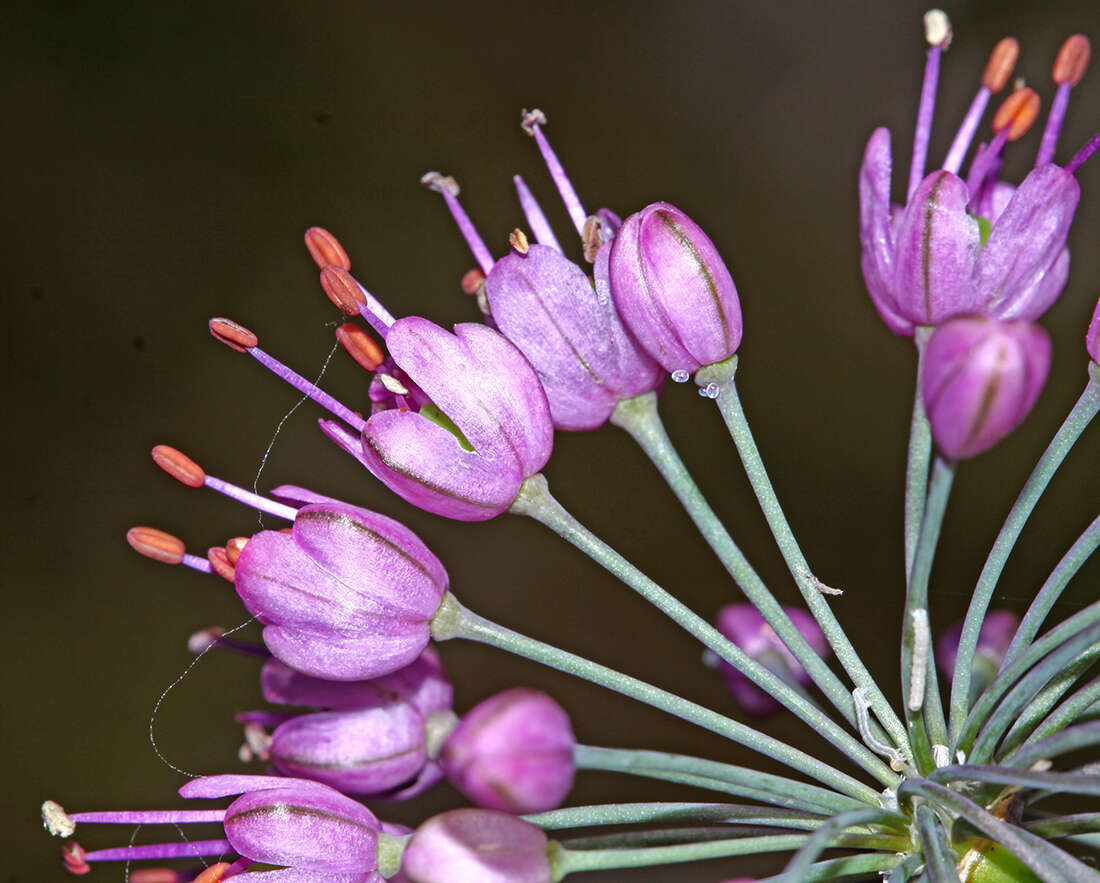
673,290
513,752
476,846
981,378
745,627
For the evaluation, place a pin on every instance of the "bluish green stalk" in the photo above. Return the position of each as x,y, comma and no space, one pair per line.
640,418
536,501
925,721
730,779
1064,826
1082,414
851,867
1068,783
567,861
1052,590
454,621
1065,714
668,836
1057,744
640,813
729,405
1038,708
819,841
903,871
939,860
920,455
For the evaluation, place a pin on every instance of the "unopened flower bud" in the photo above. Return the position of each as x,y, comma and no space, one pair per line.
981,378
1092,336
998,629
513,752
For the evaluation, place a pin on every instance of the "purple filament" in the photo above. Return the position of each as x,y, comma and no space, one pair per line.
469,231
239,494
196,562
149,817
536,220
1054,125
561,181
192,849
308,389
924,120
957,152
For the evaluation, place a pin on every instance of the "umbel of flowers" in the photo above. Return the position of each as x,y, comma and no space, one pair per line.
461,423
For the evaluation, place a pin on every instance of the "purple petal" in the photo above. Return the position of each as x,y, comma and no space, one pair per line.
349,659
299,875
937,244
1027,241
231,784
1092,335
430,775
300,496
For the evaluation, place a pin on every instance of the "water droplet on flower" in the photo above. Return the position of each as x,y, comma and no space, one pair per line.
680,376
710,391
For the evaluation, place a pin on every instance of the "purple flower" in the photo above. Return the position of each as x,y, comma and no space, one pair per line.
569,331
998,629
1092,336
745,627
349,594
981,378
472,427
673,290
476,846
512,752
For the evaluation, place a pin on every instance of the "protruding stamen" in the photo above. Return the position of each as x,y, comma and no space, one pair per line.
1069,67
158,545
187,849
220,563
518,240
149,817
1083,154
447,187
234,336
536,220
326,249
181,467
1017,113
360,346
342,289
234,547
56,820
74,858
998,69
188,472
156,875
216,873
532,122
937,31
592,238
472,280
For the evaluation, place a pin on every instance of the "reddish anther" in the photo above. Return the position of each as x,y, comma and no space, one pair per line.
1002,61
177,464
360,346
472,280
219,560
213,874
234,336
1072,60
156,544
155,875
72,854
326,249
234,548
342,289
1017,113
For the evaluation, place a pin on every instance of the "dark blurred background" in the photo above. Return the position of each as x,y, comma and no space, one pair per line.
162,161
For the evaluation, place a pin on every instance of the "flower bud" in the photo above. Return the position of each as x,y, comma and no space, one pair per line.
513,752
349,594
998,629
745,627
476,846
1092,336
673,290
981,378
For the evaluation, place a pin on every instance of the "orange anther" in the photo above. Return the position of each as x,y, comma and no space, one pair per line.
219,560
518,240
234,336
359,345
156,544
1017,113
214,873
342,289
1072,60
1002,61
72,854
234,548
472,280
177,464
326,249
154,875
287,530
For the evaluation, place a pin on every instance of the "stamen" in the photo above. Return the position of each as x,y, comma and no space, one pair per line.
1017,113
592,238
307,388
185,470
234,547
472,280
518,240
1069,67
360,346
220,563
74,857
56,820
216,873
536,220
448,188
149,817
998,69
326,248
189,849
937,31
201,640
1083,154
532,121
155,875
349,295
163,547
234,336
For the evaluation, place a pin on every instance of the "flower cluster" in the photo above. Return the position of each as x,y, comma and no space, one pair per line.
461,424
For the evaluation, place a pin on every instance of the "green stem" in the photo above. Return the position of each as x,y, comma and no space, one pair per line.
920,455
729,405
929,708
1082,414
640,418
851,867
1038,708
819,841
567,861
939,860
452,620
1052,590
1065,714
639,813
536,501
730,779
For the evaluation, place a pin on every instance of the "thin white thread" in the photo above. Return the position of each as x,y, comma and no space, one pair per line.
170,687
279,426
130,845
922,641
